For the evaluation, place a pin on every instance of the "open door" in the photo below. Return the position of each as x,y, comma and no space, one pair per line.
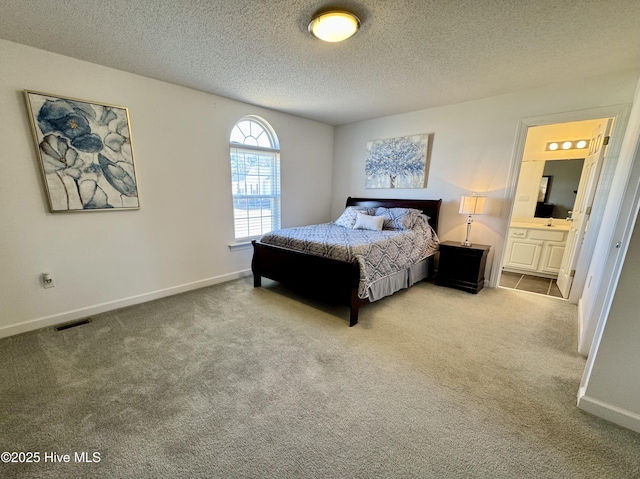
582,205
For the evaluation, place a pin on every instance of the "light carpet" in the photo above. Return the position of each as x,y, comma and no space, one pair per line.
235,382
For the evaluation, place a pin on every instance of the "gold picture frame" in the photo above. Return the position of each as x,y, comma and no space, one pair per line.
85,153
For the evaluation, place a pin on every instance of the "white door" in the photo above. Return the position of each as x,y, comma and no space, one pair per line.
582,206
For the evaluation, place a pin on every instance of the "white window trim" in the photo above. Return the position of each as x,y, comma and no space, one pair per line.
243,242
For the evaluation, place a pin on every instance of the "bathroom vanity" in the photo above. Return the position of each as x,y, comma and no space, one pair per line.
536,248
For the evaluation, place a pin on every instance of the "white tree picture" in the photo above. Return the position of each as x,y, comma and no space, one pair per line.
397,162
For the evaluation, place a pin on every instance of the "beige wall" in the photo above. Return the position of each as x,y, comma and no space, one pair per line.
539,136
179,238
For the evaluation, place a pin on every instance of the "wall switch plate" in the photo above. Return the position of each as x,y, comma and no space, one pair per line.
48,281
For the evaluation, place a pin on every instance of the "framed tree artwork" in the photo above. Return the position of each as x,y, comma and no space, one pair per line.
85,153
398,162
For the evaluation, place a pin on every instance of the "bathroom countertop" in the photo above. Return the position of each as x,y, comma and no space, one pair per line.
538,226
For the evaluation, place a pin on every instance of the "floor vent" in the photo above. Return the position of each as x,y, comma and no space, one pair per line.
73,324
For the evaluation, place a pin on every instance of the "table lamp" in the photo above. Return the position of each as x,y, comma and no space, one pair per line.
471,205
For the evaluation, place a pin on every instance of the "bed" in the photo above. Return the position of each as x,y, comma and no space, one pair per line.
304,261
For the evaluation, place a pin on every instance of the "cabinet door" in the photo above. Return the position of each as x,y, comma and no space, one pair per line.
552,257
523,254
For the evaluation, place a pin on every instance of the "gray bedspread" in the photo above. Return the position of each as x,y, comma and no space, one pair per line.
379,253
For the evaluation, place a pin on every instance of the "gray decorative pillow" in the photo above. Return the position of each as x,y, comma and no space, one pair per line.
366,222
398,218
348,216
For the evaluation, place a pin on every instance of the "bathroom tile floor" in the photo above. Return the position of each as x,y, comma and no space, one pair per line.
532,284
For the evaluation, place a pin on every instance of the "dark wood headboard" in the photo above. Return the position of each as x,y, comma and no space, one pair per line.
431,208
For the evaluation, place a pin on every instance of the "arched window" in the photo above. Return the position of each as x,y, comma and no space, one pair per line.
255,178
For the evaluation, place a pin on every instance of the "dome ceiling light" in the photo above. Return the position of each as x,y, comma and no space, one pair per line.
334,26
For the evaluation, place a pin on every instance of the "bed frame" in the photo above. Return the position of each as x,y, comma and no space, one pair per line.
328,278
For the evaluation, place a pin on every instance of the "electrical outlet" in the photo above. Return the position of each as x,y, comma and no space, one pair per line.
48,281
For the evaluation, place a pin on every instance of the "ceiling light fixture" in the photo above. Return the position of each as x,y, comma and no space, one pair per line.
334,26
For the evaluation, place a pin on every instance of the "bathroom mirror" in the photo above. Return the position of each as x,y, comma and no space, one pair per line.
546,189
558,188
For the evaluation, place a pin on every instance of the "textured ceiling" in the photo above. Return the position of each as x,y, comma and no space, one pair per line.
408,55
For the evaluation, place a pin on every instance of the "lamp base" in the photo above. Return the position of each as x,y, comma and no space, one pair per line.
466,241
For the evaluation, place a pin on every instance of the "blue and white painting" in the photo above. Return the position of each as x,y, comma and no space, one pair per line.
85,153
397,162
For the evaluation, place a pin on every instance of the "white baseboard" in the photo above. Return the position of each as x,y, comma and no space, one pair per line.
609,412
65,317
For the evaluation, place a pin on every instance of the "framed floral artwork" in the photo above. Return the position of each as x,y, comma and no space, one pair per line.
398,162
85,153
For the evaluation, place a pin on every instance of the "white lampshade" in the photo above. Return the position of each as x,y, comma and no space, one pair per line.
472,205
334,26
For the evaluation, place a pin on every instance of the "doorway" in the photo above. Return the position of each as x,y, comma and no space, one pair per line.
552,205
592,267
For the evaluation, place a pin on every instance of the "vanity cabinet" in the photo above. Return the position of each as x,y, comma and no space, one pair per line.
535,250
551,258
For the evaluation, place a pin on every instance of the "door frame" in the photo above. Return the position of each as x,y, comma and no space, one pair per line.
620,115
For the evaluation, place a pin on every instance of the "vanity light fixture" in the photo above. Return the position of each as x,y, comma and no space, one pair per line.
471,205
567,145
334,26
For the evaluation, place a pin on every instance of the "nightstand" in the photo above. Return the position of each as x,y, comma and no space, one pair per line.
462,267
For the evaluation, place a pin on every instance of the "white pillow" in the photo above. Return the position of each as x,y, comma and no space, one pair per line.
366,222
348,217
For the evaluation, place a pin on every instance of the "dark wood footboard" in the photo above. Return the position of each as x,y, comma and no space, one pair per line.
310,275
